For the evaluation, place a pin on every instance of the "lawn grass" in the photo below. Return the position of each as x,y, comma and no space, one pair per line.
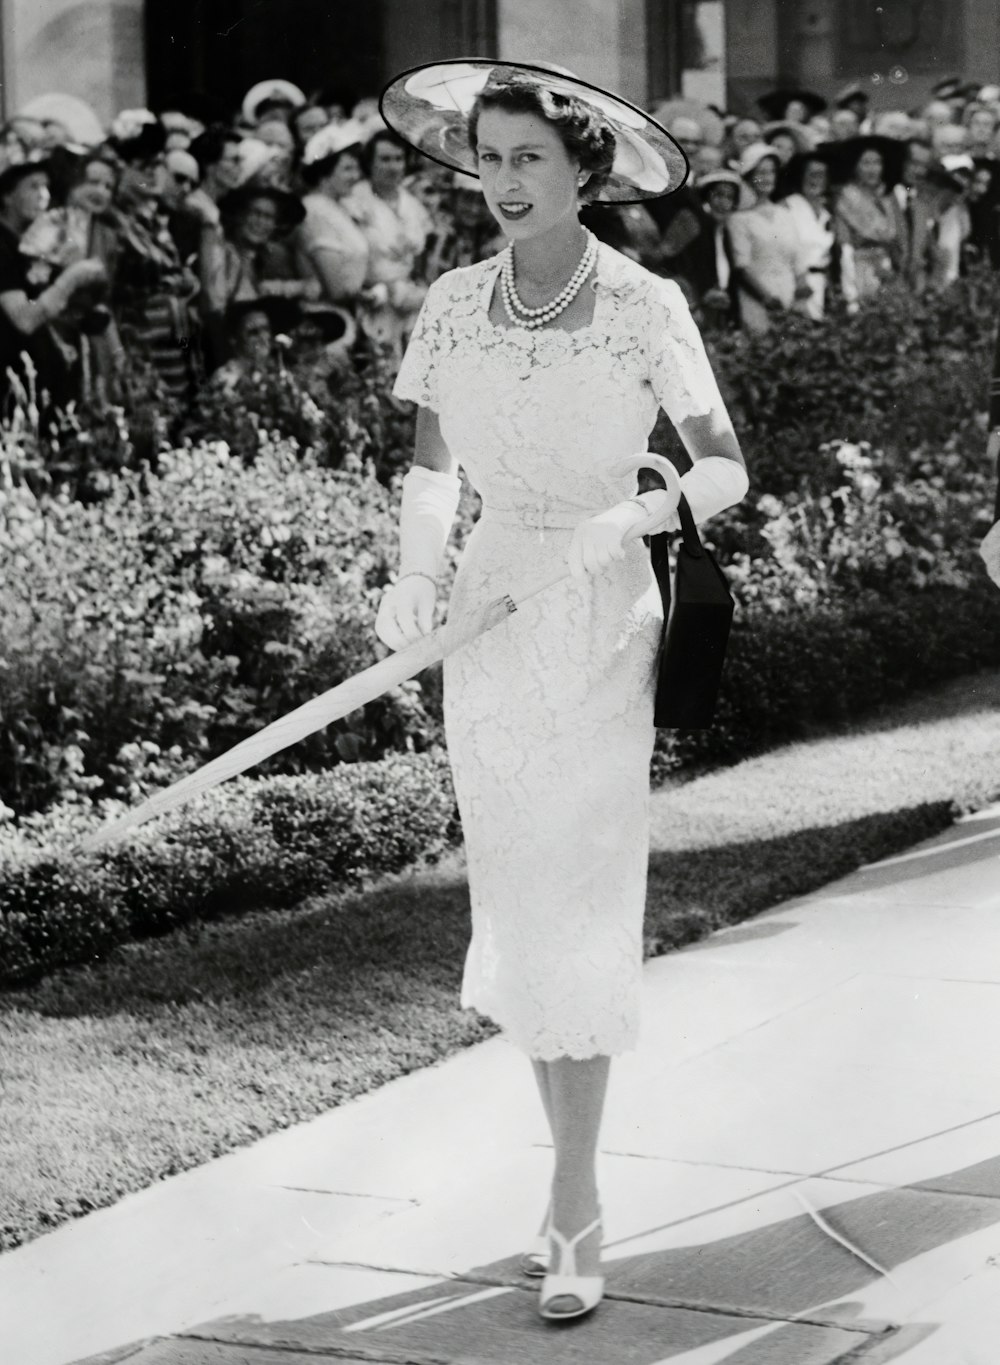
178,1049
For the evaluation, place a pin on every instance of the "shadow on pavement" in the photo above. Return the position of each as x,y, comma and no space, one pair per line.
786,1293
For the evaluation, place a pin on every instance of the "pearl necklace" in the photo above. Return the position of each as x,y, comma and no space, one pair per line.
519,313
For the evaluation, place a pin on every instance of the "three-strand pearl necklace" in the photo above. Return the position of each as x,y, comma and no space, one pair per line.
523,316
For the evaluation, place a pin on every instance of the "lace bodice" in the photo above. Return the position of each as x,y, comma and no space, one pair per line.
547,414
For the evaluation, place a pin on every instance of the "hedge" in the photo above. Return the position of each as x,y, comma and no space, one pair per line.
249,843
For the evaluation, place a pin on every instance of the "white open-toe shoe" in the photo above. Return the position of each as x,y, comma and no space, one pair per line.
566,1283
535,1258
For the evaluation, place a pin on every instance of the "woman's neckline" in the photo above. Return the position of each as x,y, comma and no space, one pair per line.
489,287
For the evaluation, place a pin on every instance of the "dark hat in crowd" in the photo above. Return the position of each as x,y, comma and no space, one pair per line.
954,88
334,323
137,136
776,102
843,157
290,207
282,313
18,159
791,174
851,95
799,134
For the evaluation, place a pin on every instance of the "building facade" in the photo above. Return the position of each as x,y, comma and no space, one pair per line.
123,53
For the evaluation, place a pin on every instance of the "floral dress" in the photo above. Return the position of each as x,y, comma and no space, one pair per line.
549,716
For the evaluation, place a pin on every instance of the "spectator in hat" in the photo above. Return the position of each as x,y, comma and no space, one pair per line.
981,122
919,204
787,139
768,259
743,134
704,269
791,105
275,133
257,218
306,121
274,96
954,227
30,301
252,325
803,187
854,98
396,227
152,289
321,349
78,225
844,124
866,217
329,246
217,152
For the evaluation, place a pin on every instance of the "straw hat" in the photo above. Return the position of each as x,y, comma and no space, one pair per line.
429,107
273,89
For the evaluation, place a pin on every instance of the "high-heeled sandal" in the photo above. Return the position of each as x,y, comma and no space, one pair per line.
588,1290
534,1260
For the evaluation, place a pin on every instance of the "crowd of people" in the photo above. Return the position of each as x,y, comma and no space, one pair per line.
200,248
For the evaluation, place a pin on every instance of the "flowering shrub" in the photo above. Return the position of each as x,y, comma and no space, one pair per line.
183,611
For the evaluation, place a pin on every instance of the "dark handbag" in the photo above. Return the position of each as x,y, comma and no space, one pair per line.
698,614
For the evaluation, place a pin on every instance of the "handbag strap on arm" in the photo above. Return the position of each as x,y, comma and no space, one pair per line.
689,531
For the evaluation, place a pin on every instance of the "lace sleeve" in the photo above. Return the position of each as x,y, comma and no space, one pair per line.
680,374
417,380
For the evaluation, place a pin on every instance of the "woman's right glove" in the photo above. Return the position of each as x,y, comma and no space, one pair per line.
430,501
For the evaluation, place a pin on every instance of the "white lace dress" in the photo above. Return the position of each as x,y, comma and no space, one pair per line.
549,717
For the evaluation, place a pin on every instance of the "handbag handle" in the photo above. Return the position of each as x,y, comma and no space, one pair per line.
689,531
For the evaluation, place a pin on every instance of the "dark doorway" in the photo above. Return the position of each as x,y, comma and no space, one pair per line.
222,47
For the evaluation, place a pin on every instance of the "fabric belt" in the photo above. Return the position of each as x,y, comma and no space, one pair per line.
540,516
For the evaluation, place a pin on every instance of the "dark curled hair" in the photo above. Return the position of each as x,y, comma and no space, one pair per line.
368,148
586,135
312,172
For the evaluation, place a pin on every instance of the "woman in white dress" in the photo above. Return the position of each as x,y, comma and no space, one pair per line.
329,245
768,258
396,226
803,188
540,372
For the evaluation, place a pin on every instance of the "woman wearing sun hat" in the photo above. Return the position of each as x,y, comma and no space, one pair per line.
329,246
769,260
541,372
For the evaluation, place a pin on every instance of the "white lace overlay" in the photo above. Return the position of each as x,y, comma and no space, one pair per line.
549,717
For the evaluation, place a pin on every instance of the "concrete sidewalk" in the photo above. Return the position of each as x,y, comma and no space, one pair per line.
801,1165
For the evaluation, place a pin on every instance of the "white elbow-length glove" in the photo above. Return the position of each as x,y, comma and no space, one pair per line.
712,484
429,504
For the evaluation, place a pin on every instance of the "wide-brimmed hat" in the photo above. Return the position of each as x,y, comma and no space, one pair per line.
854,93
332,140
723,176
790,175
776,102
842,157
16,162
291,210
282,312
137,135
753,155
274,89
798,132
429,107
335,324
80,123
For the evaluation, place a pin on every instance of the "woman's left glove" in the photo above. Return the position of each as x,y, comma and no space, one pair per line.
599,541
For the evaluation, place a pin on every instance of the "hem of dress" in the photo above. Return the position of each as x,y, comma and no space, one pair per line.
538,1053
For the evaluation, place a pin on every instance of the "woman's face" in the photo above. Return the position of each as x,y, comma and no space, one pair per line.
388,167
982,126
29,197
764,178
253,340
796,111
784,145
96,190
258,222
814,180
344,176
529,180
722,201
144,179
868,171
308,121
227,170
744,134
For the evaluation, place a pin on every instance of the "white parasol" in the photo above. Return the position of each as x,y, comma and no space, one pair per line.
354,692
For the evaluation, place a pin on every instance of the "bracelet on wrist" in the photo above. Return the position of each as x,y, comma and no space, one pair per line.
417,573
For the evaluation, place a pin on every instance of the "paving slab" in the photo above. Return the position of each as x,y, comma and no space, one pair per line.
465,1322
